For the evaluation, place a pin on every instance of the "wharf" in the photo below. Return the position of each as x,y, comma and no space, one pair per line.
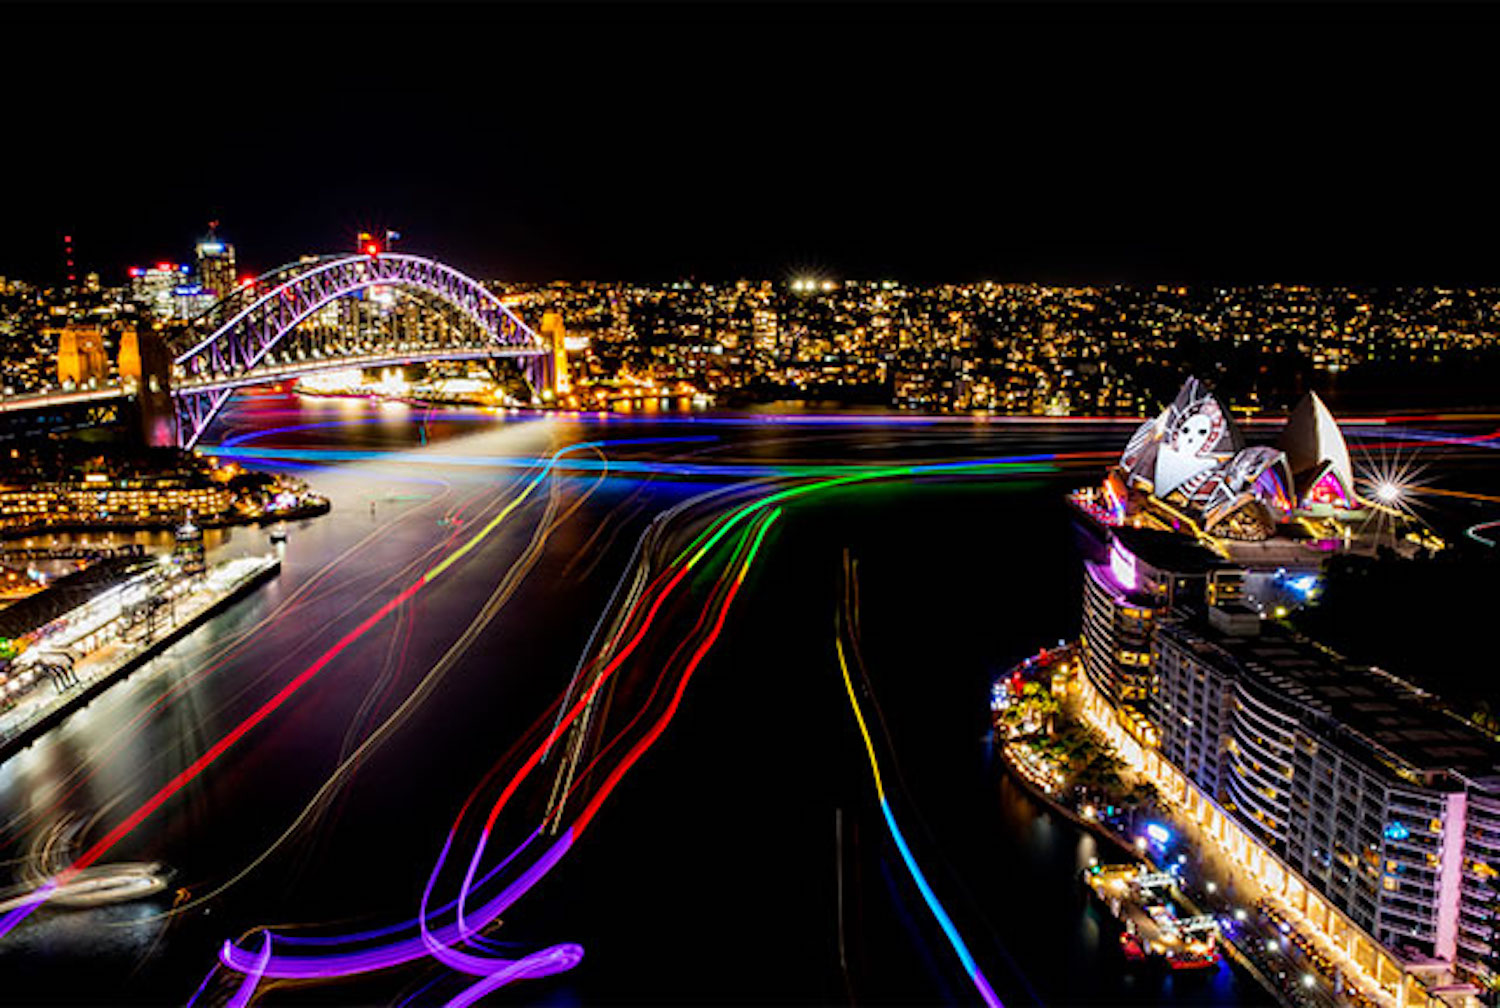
1141,901
34,715
1139,855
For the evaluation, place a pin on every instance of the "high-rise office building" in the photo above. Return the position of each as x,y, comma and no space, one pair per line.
155,287
216,268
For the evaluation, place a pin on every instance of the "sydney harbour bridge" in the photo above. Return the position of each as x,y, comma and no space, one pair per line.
296,320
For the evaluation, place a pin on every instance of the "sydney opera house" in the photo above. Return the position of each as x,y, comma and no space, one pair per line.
1362,813
1191,467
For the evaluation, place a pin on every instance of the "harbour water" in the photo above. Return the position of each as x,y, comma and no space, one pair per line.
743,859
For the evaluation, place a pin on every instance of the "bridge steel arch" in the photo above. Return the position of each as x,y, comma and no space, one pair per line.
250,325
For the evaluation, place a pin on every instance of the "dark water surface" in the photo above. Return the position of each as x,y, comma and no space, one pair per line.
714,872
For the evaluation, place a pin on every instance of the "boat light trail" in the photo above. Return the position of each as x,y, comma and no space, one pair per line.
441,943
252,977
986,992
1473,532
102,846
409,949
633,467
604,675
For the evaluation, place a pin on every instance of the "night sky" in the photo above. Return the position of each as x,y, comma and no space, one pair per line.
1211,143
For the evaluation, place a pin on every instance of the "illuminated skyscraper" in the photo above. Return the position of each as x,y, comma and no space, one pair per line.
216,269
155,287
1376,803
765,327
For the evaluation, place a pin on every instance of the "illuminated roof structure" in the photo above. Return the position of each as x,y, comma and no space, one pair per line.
1192,462
1317,455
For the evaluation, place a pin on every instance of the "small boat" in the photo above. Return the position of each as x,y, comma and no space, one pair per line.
1194,959
278,533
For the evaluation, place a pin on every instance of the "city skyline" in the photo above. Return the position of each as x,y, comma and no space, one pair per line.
1229,144
782,504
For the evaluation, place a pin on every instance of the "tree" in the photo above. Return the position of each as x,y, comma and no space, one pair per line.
1041,706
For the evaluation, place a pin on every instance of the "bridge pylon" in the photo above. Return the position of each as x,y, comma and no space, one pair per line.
555,335
145,366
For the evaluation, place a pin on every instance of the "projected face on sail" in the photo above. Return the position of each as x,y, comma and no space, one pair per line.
1194,434
1187,452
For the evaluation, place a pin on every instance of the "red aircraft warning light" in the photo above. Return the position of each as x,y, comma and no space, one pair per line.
368,245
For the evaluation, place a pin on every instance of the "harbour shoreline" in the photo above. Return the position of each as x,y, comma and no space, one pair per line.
29,732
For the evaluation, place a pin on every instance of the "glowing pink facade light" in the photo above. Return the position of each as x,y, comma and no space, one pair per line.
1329,490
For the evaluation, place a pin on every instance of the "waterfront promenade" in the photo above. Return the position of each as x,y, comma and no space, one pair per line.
45,706
1259,939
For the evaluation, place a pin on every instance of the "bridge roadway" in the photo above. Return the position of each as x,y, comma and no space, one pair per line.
47,400
275,373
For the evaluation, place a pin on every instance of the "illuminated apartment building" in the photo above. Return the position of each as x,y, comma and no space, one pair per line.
216,268
1146,572
1376,798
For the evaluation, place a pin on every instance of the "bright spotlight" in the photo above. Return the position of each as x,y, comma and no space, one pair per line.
1392,484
